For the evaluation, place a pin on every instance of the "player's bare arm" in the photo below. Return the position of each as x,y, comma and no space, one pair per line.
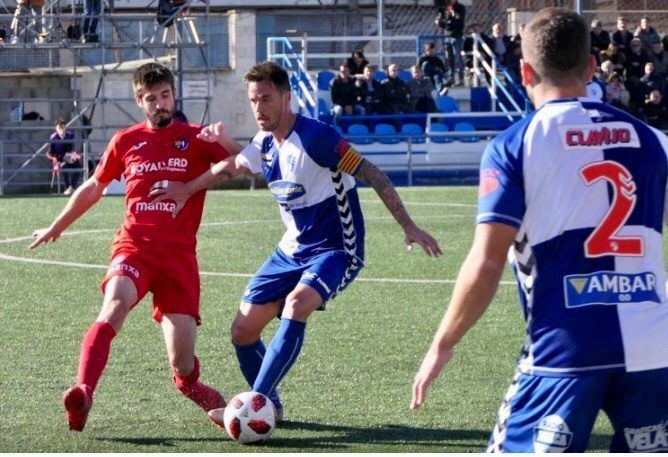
370,175
81,201
475,287
180,192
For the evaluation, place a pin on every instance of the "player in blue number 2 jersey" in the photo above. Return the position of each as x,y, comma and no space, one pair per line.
578,190
311,172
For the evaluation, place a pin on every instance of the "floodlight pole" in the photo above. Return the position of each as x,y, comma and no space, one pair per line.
578,7
381,14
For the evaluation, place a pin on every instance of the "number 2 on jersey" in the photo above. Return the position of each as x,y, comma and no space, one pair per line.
604,239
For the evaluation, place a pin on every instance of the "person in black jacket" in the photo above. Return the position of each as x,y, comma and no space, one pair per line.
396,97
344,94
600,39
369,91
622,37
431,65
356,62
451,18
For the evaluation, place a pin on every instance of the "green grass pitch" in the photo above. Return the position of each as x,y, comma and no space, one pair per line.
348,392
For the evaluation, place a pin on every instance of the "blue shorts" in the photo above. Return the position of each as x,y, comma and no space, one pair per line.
280,274
557,414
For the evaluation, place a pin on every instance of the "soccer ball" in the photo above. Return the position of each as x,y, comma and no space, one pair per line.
249,418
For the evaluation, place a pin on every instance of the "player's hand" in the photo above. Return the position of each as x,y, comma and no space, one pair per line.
43,236
431,366
170,190
415,234
213,133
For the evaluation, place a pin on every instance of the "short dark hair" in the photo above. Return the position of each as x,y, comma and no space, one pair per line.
556,43
60,121
150,75
271,71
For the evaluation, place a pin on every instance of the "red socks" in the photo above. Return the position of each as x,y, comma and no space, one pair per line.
94,353
206,397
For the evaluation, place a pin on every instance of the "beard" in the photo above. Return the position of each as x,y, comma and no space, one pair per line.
162,118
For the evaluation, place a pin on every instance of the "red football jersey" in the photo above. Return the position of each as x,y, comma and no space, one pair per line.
144,156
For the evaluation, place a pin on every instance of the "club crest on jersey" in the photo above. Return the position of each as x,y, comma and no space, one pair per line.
181,144
603,135
489,182
552,435
286,191
609,288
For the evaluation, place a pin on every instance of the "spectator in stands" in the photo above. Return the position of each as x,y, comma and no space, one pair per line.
63,156
468,45
615,58
431,65
451,19
647,34
600,39
616,92
500,42
396,98
654,112
635,60
513,58
607,69
421,92
92,11
659,57
369,91
517,38
652,81
356,62
344,94
622,37
27,10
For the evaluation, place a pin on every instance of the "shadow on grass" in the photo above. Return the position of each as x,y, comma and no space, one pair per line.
336,437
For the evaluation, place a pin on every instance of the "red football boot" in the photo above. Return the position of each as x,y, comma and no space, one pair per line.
78,401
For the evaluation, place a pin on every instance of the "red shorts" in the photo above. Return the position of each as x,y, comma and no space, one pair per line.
171,275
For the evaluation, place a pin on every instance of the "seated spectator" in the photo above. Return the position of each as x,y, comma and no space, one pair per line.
654,112
635,61
396,98
420,89
616,92
607,69
500,42
356,62
431,65
600,39
622,37
369,91
659,57
647,34
652,81
615,57
61,152
344,94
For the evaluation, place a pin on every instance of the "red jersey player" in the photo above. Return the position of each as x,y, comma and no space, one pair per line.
153,251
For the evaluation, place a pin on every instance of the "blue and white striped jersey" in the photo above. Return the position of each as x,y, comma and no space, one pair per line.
585,184
309,175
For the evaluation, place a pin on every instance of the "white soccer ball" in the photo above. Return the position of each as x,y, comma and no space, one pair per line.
249,418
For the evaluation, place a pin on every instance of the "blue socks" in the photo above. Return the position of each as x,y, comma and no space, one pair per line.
250,359
280,356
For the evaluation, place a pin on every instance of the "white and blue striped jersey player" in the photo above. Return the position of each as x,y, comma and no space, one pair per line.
588,257
309,175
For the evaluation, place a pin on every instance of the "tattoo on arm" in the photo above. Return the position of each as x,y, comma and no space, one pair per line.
370,175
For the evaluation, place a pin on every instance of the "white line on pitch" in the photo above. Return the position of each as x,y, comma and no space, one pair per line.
229,275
